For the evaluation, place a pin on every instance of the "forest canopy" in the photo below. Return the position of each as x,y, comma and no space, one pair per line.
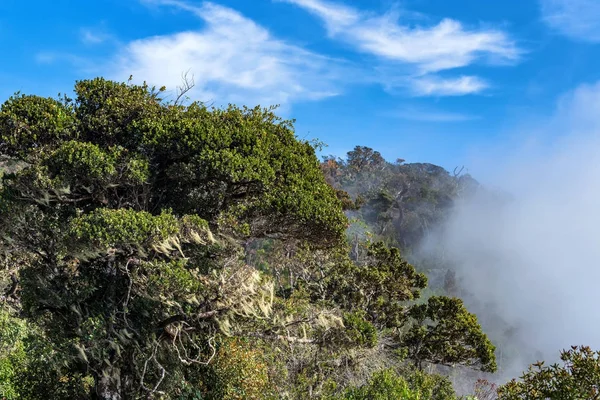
159,250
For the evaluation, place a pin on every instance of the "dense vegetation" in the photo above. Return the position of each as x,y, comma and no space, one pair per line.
158,250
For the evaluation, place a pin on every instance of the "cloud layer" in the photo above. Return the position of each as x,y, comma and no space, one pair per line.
232,59
531,260
578,19
443,46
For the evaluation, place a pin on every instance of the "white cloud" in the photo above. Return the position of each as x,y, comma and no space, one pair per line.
94,36
435,86
443,46
336,17
579,108
578,19
531,262
232,59
428,115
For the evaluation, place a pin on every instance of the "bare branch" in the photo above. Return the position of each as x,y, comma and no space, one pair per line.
456,174
285,338
186,359
186,85
183,318
161,368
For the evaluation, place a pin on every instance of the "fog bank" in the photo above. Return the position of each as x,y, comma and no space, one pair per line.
529,257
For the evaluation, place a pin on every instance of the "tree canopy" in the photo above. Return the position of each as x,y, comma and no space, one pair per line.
577,378
128,223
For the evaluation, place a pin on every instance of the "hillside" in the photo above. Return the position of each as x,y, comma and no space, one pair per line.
159,250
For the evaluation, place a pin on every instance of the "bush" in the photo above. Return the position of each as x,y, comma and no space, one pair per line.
388,385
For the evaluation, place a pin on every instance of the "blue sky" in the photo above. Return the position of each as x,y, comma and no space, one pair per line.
423,80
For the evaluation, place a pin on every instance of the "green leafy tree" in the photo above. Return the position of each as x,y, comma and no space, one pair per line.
445,333
381,285
577,378
385,385
388,385
439,331
31,367
127,217
12,353
165,251
364,158
239,372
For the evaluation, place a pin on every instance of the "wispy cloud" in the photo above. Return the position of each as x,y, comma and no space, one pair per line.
232,59
52,57
429,115
433,85
94,36
578,19
429,50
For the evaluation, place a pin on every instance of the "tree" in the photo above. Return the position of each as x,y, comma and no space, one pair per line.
381,285
402,202
388,384
445,333
239,372
167,251
577,378
438,331
383,386
12,353
363,159
29,366
126,218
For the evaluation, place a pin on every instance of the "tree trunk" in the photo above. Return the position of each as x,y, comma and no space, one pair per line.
108,385
355,251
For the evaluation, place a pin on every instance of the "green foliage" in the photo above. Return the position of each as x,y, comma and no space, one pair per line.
359,330
30,368
130,229
248,161
169,251
110,228
29,123
577,378
384,385
110,222
388,385
243,162
12,354
44,374
112,113
380,286
446,333
95,166
433,386
238,372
